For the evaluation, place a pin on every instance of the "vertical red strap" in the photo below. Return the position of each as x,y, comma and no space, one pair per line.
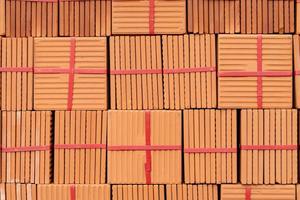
259,70
248,193
148,143
71,73
72,192
151,16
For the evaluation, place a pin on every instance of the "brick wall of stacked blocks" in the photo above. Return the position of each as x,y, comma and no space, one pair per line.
149,99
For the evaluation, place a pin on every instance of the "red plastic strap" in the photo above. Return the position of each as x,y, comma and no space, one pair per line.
151,16
25,149
259,70
269,147
148,143
210,150
56,70
144,148
72,192
16,69
247,193
135,71
80,146
255,74
189,70
71,73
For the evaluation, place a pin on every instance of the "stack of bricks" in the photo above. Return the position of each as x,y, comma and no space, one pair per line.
149,99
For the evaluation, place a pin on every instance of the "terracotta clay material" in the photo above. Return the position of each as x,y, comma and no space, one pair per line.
73,192
257,192
189,71
70,74
141,192
136,72
80,147
269,146
255,71
26,148
31,18
147,144
148,17
210,146
12,191
191,192
85,18
17,74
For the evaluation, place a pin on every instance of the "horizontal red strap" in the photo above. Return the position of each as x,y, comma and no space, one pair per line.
144,148
25,149
16,69
80,146
255,74
135,71
296,72
189,70
269,147
210,150
53,70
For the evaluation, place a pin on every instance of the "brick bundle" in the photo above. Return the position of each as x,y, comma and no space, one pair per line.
189,71
85,18
268,146
17,74
136,72
149,152
26,146
80,147
210,146
31,18
255,71
67,76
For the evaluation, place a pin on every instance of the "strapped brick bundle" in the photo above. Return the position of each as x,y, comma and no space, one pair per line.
192,192
70,73
148,17
189,71
138,192
36,18
255,71
257,192
147,144
268,146
26,147
16,74
84,18
80,147
136,72
210,146
73,192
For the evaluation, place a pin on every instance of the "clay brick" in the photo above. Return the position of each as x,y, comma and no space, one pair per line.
255,71
147,144
2,17
192,192
72,192
189,71
31,18
141,192
26,146
80,147
258,192
268,146
85,18
148,16
136,72
16,74
11,191
70,74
